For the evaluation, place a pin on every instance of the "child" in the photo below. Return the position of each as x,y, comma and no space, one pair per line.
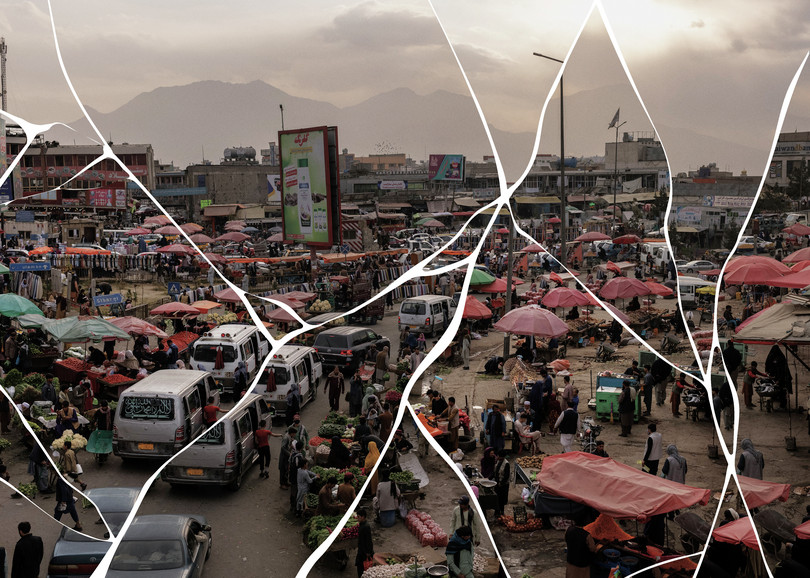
421,342
305,478
575,399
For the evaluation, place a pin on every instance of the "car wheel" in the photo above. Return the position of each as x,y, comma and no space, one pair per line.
689,271
236,483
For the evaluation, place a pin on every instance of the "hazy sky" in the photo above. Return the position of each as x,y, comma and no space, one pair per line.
718,68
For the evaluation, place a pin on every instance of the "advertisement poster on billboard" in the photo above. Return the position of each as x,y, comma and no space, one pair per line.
305,186
273,189
446,168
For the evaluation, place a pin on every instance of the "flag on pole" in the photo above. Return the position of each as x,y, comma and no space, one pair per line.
615,120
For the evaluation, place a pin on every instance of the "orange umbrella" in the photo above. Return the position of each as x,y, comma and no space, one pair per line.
204,306
85,251
40,251
168,230
474,309
191,228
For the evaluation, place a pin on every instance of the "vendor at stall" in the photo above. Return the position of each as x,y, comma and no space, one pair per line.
327,505
339,455
401,442
580,552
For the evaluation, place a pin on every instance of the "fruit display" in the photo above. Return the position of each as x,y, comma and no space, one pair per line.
426,529
531,524
534,462
320,306
222,318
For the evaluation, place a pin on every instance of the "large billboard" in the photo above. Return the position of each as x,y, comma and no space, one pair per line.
305,187
446,168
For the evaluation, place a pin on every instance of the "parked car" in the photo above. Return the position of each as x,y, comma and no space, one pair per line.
696,266
76,555
165,545
114,504
346,347
747,243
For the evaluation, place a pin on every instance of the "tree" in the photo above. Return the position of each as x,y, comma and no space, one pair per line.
799,183
772,200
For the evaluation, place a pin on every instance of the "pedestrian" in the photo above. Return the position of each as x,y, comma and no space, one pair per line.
751,462
732,359
262,437
386,421
210,412
674,466
284,458
5,414
569,424
452,415
459,553
626,409
465,349
355,397
652,450
580,552
661,373
727,399
66,503
365,545
372,457
381,364
293,400
240,378
748,384
568,393
304,480
649,385
336,386
296,462
463,515
496,428
501,476
39,468
302,435
28,553
72,467
675,397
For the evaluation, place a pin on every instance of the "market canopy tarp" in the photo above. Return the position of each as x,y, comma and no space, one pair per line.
481,278
624,288
228,296
532,320
737,532
759,493
174,308
82,329
784,321
802,531
615,489
474,309
12,305
204,306
137,326
592,236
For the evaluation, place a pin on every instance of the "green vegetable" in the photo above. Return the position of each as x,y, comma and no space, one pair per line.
336,418
330,430
4,444
28,490
403,477
36,380
13,378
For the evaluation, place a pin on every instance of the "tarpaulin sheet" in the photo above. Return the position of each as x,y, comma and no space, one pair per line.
759,493
737,532
802,531
615,489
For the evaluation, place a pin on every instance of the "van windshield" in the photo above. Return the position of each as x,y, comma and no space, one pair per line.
214,436
208,353
136,407
413,308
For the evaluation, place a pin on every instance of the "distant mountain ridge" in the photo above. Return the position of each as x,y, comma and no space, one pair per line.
183,121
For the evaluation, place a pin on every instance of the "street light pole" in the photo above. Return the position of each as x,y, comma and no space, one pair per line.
616,168
281,108
563,196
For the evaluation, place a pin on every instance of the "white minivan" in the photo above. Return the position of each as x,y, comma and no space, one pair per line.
426,314
687,287
162,413
291,364
235,343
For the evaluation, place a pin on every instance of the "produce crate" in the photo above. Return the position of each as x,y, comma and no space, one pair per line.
68,370
43,362
519,512
114,388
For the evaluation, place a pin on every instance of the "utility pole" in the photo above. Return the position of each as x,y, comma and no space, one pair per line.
616,168
3,52
510,247
281,108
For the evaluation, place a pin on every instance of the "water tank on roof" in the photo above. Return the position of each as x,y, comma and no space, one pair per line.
571,162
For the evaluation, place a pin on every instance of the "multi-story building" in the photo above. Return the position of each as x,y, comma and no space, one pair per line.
791,149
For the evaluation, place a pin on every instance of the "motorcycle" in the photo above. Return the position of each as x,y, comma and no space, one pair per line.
605,352
590,431
769,390
671,344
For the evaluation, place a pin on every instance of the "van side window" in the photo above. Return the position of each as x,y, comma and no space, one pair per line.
248,349
300,373
244,426
193,400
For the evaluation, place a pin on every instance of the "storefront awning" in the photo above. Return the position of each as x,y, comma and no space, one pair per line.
491,211
547,200
220,210
467,203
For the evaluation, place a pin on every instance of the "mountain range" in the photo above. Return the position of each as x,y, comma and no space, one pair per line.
187,123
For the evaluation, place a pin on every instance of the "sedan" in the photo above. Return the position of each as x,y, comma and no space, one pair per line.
747,242
695,266
163,546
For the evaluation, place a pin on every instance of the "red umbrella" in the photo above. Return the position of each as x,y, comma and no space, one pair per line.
592,236
796,256
474,309
754,274
191,228
797,229
554,220
233,236
626,240
758,493
280,314
611,266
533,248
216,258
176,249
277,238
737,532
624,288
532,320
137,231
302,296
760,260
502,231
168,230
564,297
287,300
497,286
798,280
137,326
174,308
157,220
659,289
800,266
40,251
201,239
228,296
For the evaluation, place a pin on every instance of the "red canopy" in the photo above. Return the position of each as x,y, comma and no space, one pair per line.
800,266
233,236
533,248
228,296
796,256
204,306
191,228
502,231
216,258
624,288
137,231
659,289
174,308
554,220
157,220
737,532
497,286
760,260
759,493
177,249
564,297
302,296
136,326
803,531
201,239
797,280
474,309
168,230
592,236
532,320
626,240
615,489
797,229
280,314
754,274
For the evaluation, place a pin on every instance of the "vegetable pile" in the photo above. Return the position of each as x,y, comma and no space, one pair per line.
28,490
426,529
318,528
534,462
75,364
320,306
531,524
606,528
4,444
77,441
402,478
117,378
330,430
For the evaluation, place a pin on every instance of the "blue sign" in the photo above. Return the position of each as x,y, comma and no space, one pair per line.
112,299
175,288
6,191
17,267
345,249
24,216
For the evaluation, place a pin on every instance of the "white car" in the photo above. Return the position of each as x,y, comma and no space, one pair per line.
696,266
747,242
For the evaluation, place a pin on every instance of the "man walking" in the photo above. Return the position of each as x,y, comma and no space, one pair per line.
653,450
336,385
381,365
464,515
732,359
496,428
626,407
649,385
65,503
568,424
27,553
452,414
262,436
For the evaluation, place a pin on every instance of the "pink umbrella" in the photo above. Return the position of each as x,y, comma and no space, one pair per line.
497,286
532,320
201,239
302,296
796,256
137,231
176,249
287,300
136,326
174,308
592,236
474,309
659,289
800,266
754,274
564,297
157,220
626,240
216,258
554,220
277,238
624,288
760,260
228,296
233,236
533,248
798,280
280,314
797,229
168,230
191,228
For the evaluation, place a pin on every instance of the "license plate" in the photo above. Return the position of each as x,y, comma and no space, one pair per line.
194,471
412,326
228,374
146,446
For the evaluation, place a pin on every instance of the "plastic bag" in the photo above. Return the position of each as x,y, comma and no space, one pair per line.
457,455
526,495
